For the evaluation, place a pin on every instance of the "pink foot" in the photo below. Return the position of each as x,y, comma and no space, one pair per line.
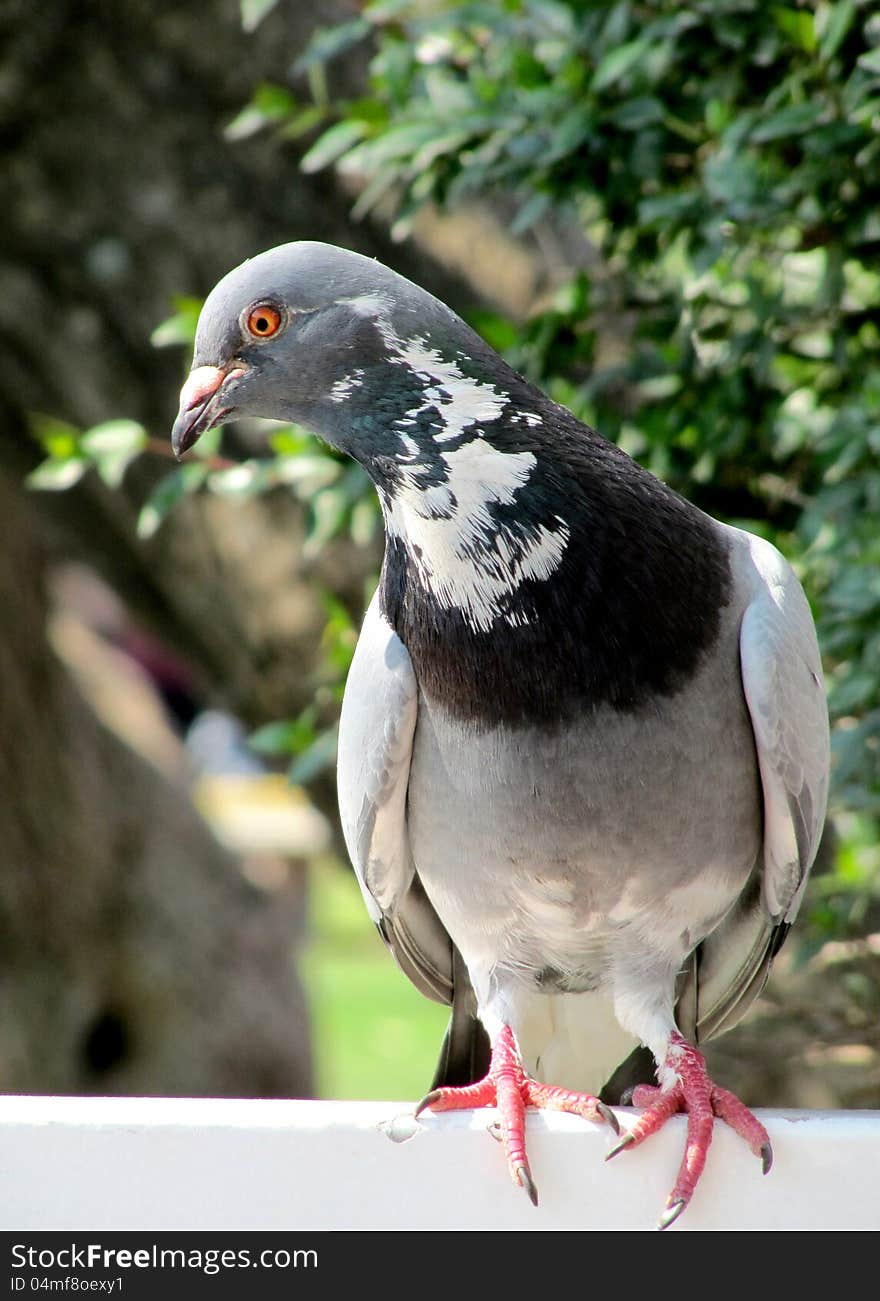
509,1088
703,1100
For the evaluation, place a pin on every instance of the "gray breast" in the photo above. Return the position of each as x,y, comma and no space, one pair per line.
543,846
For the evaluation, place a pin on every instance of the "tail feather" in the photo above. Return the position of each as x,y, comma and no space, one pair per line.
464,1055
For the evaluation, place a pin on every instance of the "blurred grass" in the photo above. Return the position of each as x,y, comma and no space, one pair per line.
373,1034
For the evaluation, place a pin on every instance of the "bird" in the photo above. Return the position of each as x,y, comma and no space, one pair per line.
583,747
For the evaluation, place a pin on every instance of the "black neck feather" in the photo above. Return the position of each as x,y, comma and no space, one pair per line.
633,606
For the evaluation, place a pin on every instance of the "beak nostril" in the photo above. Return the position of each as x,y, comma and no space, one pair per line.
201,384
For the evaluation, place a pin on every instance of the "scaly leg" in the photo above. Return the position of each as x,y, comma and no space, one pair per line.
703,1100
509,1088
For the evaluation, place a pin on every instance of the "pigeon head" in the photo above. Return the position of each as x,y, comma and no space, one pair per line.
316,334
383,371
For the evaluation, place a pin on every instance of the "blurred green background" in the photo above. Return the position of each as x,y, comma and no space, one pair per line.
374,1035
664,214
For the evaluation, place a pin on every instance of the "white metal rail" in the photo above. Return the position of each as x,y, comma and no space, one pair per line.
163,1164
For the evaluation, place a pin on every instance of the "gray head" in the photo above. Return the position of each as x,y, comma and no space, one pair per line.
316,334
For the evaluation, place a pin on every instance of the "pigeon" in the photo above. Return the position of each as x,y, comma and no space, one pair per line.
583,749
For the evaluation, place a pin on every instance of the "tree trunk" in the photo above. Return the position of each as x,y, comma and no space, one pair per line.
135,957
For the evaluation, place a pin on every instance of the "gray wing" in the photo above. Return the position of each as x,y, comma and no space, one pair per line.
376,731
784,692
782,680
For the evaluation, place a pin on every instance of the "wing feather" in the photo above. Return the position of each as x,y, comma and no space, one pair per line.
783,687
782,681
376,731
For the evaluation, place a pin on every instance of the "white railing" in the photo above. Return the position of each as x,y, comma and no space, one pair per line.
164,1164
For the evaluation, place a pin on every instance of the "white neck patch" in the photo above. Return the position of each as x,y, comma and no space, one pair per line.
463,559
460,400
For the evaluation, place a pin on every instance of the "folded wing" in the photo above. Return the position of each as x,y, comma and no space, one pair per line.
376,731
783,687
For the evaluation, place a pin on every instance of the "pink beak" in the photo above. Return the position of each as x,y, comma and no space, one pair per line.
199,411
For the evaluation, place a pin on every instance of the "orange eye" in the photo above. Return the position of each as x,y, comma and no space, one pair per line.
264,321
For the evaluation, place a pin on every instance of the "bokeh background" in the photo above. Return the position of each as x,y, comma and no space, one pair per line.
665,214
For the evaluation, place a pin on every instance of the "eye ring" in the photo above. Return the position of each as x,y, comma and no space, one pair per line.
263,320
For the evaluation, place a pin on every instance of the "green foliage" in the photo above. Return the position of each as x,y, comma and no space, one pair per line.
724,160
842,902
336,494
109,448
180,328
374,1034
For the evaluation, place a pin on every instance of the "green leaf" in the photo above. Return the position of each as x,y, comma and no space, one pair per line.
365,518
57,437
717,115
254,11
798,25
384,11
292,440
55,476
329,42
870,62
397,142
114,437
244,480
307,119
167,493
635,114
531,212
307,472
791,121
245,124
112,446
833,22
319,756
181,327
332,145
327,515
269,104
668,207
498,331
618,62
372,192
450,142
292,736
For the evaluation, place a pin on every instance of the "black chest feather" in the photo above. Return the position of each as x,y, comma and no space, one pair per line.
627,615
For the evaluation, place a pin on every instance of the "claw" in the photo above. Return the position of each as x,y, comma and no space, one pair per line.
523,1177
766,1157
608,1116
426,1102
694,1093
670,1215
508,1088
624,1141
